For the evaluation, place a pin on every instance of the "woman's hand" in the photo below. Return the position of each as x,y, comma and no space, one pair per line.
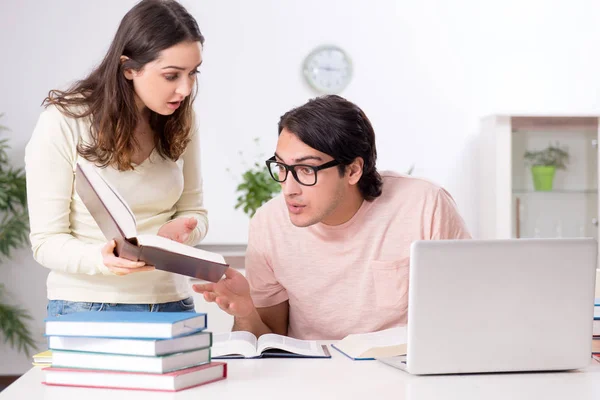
121,266
178,229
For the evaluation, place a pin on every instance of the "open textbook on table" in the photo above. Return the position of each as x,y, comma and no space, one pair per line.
242,344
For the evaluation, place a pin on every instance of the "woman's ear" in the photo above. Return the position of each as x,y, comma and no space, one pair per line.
128,72
355,170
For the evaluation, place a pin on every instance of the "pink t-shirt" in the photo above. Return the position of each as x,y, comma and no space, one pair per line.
349,278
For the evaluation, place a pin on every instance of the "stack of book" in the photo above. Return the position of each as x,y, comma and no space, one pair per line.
131,350
596,331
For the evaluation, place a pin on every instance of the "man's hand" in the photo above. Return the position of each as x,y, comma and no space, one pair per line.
121,266
231,294
178,229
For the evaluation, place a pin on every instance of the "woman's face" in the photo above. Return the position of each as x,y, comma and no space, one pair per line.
161,85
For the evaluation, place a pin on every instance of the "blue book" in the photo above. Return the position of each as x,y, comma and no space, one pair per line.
126,324
133,346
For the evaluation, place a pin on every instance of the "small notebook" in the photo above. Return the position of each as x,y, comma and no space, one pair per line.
42,359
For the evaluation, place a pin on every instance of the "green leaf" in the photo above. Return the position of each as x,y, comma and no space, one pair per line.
14,229
13,326
553,155
257,187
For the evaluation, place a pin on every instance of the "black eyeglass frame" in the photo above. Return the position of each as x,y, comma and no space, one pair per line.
292,169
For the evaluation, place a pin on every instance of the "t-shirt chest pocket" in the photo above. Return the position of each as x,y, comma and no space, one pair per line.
390,280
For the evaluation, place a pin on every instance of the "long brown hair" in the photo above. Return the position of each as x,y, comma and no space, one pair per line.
107,97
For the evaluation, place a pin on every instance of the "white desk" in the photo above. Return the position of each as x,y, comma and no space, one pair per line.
338,378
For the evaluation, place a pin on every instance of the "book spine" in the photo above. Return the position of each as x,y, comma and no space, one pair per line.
126,249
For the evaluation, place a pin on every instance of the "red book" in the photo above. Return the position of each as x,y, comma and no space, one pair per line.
169,382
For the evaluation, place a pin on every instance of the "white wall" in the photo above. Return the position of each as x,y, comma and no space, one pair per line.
425,72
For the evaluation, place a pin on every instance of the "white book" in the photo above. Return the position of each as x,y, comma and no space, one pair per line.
133,346
116,221
129,363
171,381
368,346
242,344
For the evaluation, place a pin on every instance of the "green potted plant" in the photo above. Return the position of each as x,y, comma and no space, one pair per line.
544,164
13,234
257,187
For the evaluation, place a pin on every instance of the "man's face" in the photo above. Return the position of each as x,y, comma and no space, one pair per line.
308,205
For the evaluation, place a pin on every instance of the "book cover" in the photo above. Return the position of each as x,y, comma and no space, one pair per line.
126,324
117,222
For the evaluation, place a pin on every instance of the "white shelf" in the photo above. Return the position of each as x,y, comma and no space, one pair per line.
555,191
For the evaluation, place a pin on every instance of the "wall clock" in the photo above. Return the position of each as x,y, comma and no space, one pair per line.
328,69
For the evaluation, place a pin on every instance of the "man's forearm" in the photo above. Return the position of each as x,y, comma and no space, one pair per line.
253,323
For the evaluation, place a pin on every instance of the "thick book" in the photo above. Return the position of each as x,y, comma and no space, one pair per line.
169,382
126,324
117,221
133,346
242,344
369,346
129,363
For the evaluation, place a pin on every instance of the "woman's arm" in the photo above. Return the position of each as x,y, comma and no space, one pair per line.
190,204
49,159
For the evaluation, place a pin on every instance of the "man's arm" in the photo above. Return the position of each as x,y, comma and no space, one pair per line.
272,319
232,295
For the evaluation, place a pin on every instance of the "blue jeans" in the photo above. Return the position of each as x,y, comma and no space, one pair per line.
62,307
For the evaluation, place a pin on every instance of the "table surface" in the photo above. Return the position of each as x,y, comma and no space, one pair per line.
340,378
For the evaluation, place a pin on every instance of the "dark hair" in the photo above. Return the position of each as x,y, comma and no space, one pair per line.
335,126
108,97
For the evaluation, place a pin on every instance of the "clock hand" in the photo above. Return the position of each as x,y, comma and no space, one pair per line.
327,68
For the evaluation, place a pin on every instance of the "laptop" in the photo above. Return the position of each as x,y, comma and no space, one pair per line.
499,305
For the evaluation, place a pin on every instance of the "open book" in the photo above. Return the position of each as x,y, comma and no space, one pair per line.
242,344
368,346
116,221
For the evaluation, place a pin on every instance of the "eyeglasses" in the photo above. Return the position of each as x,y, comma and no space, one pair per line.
304,174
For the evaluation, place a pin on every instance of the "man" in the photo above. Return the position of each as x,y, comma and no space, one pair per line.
330,256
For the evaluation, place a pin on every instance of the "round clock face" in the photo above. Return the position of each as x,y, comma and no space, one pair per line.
328,69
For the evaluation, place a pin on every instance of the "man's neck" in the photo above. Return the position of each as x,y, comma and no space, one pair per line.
347,209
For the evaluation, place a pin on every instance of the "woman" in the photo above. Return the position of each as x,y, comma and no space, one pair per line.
132,119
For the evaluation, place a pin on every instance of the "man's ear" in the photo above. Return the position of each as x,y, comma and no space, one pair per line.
355,170
128,72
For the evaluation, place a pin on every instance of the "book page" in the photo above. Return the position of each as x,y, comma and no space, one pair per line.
97,194
388,342
296,346
234,343
176,247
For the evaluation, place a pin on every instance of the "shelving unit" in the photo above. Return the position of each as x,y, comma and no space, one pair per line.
509,207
